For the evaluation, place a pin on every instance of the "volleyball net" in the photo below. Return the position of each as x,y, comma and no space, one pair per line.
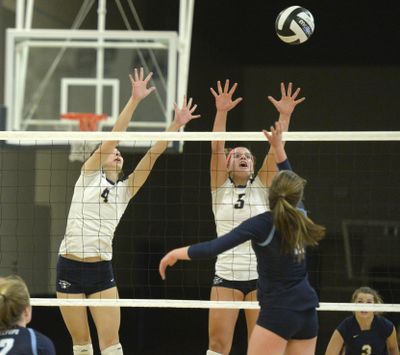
352,189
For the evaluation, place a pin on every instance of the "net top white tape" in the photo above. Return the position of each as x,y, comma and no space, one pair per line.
168,303
196,136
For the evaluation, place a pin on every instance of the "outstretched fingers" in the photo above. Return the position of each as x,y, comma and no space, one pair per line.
189,103
289,90
213,92
235,102
191,110
233,88
267,135
219,87
299,101
224,90
148,77
296,93
273,100
226,87
274,133
135,74
283,89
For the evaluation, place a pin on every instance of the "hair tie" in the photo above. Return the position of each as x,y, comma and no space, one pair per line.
281,196
4,296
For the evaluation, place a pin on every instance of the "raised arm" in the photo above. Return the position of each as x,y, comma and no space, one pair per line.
285,106
335,345
138,93
223,104
182,116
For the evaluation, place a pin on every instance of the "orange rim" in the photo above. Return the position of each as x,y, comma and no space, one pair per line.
87,120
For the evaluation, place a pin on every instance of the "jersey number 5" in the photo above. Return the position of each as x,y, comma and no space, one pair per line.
6,345
240,203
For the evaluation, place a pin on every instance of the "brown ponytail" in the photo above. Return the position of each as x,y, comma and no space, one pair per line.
296,229
14,299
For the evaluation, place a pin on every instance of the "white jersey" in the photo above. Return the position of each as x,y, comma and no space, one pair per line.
231,206
96,209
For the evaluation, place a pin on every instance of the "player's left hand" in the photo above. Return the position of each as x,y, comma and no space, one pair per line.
185,114
139,84
274,136
288,101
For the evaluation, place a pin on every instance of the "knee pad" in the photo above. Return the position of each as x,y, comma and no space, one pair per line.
86,349
210,352
113,350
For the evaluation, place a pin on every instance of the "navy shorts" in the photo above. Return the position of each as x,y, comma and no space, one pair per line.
290,324
243,286
79,277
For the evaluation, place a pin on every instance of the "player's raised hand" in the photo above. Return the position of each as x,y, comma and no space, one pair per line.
223,96
288,101
186,113
274,136
139,84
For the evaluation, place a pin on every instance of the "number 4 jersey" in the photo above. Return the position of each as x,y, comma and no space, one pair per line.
231,206
25,341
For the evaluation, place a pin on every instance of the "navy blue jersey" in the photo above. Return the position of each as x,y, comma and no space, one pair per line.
283,280
371,341
25,341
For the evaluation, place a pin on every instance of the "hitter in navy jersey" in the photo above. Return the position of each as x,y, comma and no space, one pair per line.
15,314
287,323
364,333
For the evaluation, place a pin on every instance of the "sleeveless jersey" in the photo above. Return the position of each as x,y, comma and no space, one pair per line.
231,206
96,209
371,341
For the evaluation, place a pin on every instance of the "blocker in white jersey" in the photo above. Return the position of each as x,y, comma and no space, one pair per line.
237,195
101,195
95,199
232,205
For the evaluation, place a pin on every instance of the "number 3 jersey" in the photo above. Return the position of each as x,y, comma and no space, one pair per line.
25,341
365,342
231,206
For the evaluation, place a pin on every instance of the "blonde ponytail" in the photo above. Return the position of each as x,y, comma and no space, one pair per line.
296,229
14,299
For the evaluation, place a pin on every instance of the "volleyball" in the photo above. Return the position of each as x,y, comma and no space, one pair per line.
294,25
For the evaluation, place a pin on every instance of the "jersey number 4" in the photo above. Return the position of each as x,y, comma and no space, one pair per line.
240,202
6,345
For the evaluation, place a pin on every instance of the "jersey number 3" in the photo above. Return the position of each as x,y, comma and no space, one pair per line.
6,345
240,202
366,350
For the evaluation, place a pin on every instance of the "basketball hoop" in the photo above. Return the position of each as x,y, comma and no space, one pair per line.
88,122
